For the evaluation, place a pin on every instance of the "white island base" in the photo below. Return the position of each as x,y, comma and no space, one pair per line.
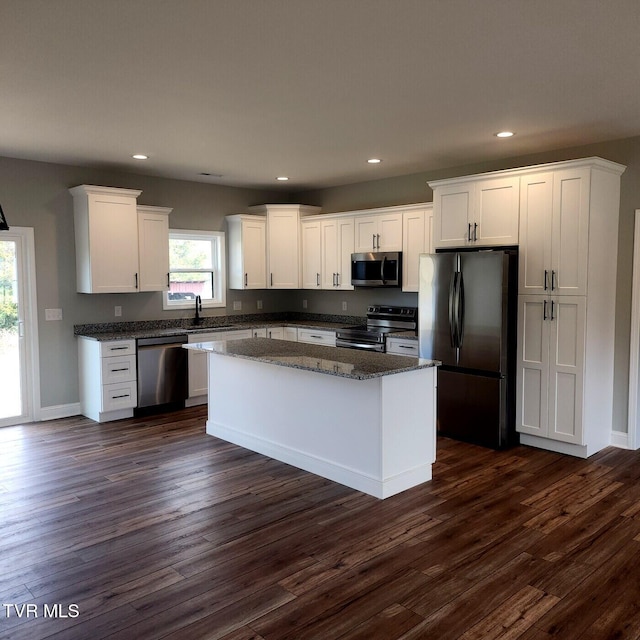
376,435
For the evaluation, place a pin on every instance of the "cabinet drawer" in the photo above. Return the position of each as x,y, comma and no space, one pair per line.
400,347
314,336
118,369
118,348
122,395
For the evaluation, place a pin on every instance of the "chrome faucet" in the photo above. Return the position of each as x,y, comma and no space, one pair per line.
198,319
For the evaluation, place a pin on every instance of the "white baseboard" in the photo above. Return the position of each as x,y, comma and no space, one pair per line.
59,411
621,440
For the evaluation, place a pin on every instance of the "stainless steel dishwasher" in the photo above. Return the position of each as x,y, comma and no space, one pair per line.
162,372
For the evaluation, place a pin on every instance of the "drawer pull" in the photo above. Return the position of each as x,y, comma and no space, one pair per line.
126,395
121,369
118,348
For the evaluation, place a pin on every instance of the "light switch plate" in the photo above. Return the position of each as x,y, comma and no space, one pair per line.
237,305
53,314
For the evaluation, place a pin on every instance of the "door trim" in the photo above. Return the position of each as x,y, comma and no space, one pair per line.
28,307
633,427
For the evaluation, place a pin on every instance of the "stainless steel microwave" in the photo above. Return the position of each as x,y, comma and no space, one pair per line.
376,269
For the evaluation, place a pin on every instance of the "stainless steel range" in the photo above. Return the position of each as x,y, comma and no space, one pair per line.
381,320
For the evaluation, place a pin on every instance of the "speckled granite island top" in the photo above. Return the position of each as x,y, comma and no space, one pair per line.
347,363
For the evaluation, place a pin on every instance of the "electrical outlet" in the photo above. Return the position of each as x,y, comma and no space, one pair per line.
304,304
53,314
117,311
237,305
344,305
259,304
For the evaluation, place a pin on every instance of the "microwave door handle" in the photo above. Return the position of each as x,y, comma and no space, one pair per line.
382,269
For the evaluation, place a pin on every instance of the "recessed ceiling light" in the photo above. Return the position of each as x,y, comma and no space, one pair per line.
282,178
374,161
140,156
504,134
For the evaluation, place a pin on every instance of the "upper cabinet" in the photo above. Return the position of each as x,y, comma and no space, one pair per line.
475,211
153,248
378,232
554,232
247,237
327,245
264,247
417,231
106,235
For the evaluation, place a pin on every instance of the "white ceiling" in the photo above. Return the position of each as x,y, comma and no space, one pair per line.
254,89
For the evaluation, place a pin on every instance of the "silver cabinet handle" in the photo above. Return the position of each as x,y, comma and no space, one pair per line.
544,311
337,279
373,243
246,279
271,280
136,280
378,239
552,306
469,232
475,231
553,280
546,273
317,279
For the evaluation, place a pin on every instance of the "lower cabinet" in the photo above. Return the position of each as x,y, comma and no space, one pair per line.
317,336
198,374
551,365
402,347
107,378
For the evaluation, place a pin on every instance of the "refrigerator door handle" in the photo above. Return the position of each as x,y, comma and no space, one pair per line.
452,317
460,310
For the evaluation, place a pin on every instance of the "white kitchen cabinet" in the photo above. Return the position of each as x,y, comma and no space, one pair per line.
275,333
311,253
317,336
327,245
417,227
107,378
283,242
402,346
551,358
290,334
153,248
337,246
259,332
378,232
554,232
567,287
475,211
198,374
246,236
106,238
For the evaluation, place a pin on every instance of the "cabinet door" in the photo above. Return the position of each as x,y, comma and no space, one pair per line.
452,206
533,366
282,249
416,232
390,231
254,254
153,247
567,316
311,253
569,234
366,232
346,243
275,333
329,270
536,201
113,232
496,212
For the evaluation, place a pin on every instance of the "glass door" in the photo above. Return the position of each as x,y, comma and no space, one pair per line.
18,335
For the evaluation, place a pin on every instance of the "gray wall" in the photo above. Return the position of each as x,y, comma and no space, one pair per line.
414,188
34,194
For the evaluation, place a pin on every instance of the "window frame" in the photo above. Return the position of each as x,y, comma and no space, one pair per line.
219,275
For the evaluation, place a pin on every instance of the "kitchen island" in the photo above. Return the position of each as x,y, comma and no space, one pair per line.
363,419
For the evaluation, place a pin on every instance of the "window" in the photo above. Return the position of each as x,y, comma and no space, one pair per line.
197,268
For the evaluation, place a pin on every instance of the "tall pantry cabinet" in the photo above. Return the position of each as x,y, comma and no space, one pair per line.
566,305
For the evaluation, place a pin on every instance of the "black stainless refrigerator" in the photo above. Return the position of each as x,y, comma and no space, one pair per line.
467,319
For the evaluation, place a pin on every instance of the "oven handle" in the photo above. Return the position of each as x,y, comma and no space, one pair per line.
360,345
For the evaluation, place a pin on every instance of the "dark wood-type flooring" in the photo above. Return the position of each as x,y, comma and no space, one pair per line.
153,529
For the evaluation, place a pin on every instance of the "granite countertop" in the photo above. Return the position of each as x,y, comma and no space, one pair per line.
151,329
347,363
